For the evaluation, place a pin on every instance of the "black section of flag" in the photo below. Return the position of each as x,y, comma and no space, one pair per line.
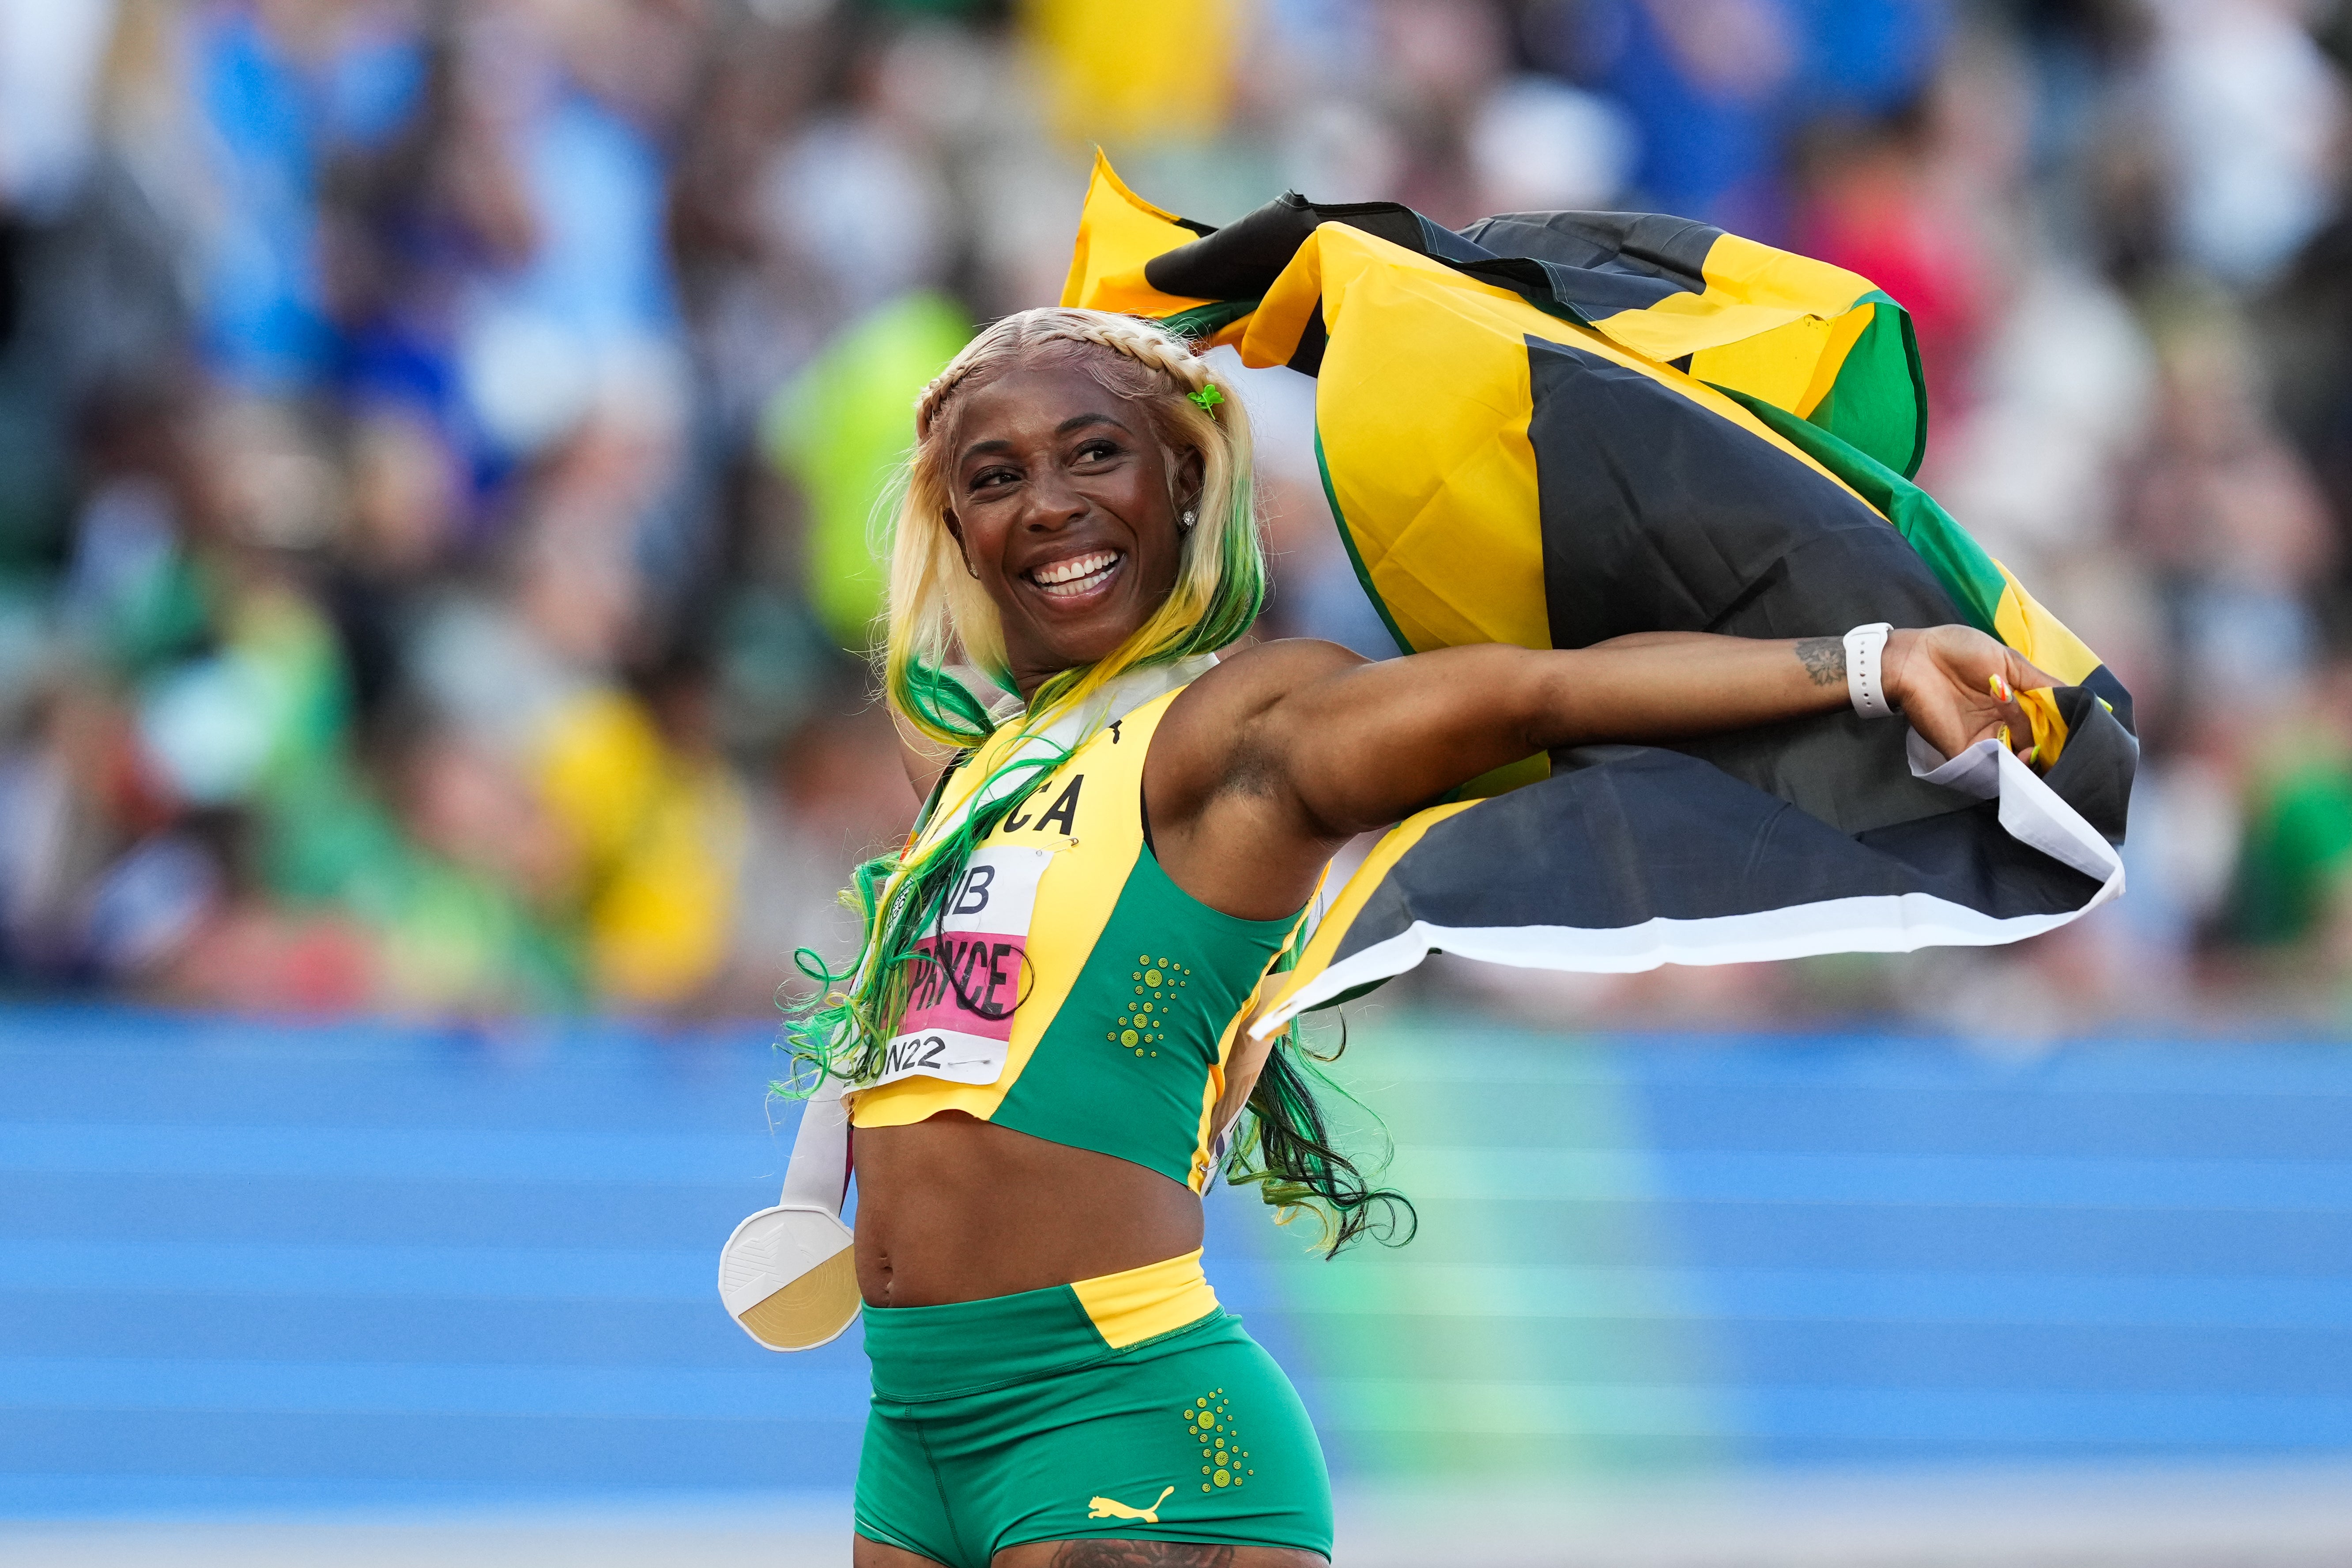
1622,835
1659,514
1241,260
1583,265
1652,248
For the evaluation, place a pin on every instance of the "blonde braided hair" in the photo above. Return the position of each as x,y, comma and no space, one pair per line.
1146,342
936,610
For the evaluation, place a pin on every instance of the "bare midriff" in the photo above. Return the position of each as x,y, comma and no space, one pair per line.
954,1209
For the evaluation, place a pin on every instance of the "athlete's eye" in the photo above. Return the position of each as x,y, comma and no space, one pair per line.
988,478
1097,451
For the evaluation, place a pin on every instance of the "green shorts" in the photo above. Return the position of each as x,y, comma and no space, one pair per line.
1107,1408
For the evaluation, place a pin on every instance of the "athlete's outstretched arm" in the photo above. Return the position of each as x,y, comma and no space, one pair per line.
1361,744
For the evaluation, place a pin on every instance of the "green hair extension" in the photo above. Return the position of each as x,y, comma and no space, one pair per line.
941,698
840,1033
1285,1147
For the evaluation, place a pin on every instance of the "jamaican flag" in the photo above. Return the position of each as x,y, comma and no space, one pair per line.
1554,428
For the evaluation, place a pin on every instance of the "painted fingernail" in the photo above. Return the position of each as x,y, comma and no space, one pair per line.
2000,688
2004,737
2032,752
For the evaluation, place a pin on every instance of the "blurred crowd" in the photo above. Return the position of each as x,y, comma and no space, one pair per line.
438,440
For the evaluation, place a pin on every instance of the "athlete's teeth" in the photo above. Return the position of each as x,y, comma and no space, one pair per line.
1076,566
1078,571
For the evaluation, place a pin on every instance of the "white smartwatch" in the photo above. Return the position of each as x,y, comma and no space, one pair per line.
1865,688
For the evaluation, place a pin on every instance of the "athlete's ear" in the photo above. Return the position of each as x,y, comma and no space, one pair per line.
955,531
1189,467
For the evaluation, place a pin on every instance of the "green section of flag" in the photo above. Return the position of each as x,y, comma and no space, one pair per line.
1878,404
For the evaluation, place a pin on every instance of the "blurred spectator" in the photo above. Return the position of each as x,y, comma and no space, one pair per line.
280,89
841,428
1164,72
2291,901
1539,145
50,55
2230,522
439,444
2254,119
838,796
1704,86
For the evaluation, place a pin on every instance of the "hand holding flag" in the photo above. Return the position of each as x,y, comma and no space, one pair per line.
1958,685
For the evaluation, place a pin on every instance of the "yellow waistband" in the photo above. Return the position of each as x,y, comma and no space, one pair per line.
1136,1305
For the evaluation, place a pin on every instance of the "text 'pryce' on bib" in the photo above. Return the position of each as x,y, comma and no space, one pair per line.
959,1020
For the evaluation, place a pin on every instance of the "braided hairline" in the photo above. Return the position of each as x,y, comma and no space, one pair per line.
1141,341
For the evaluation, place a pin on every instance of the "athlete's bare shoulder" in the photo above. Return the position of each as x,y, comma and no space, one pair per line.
1210,727
1248,680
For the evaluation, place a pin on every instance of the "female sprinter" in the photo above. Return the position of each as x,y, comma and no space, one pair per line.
1042,1037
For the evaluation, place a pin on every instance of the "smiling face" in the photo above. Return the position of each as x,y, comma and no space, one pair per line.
1063,503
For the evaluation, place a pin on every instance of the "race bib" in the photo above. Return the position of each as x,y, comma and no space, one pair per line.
959,1022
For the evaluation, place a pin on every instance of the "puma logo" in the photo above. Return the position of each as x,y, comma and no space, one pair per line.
1104,1507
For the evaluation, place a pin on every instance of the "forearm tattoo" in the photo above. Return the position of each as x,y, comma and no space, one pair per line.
1823,659
1142,1554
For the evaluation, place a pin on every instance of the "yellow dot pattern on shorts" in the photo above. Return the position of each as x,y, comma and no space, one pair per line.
1209,1421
